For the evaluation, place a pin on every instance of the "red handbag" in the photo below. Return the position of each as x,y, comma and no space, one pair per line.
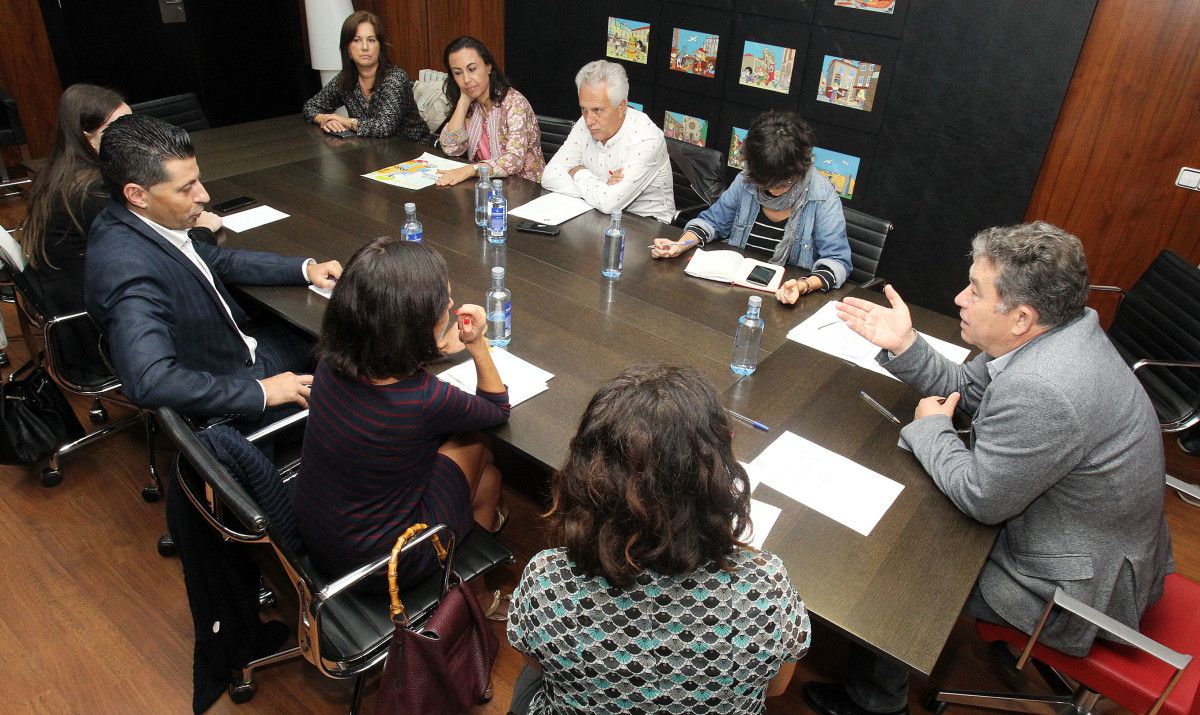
445,666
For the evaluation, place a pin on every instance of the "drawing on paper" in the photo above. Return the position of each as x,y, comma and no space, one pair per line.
849,83
840,169
694,52
737,139
885,6
692,130
767,67
628,40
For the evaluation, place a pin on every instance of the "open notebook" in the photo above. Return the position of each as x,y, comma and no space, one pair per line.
733,267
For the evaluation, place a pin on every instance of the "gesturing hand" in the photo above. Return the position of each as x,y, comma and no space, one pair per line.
889,328
935,405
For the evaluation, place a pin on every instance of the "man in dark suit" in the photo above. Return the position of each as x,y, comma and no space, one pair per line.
1066,450
177,337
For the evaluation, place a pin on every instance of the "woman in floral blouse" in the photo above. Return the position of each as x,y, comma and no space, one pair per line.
377,95
492,123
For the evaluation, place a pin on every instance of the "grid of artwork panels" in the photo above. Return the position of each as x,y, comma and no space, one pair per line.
703,75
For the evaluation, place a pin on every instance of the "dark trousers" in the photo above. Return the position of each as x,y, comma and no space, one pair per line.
529,683
281,348
878,683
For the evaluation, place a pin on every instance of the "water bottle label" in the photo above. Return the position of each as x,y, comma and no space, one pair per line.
508,317
411,235
498,219
621,254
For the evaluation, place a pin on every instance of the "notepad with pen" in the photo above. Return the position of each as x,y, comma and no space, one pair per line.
733,267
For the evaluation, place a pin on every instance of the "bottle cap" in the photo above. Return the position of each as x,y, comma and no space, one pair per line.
496,183
483,169
410,207
497,271
755,301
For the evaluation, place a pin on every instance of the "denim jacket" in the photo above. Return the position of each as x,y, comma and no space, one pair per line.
821,227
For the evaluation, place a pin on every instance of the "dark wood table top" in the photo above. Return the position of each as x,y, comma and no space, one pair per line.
236,149
899,590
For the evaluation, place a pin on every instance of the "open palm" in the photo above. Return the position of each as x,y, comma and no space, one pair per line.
888,327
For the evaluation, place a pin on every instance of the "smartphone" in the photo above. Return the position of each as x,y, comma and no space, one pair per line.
533,227
344,134
761,275
227,207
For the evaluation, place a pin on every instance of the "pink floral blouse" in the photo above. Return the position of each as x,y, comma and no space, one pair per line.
513,138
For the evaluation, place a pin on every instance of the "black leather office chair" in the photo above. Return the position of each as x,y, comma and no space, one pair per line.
12,133
1157,330
697,173
867,235
554,133
182,110
65,337
341,632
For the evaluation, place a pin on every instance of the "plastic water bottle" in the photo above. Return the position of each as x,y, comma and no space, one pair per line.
614,248
497,213
482,188
748,339
412,229
499,310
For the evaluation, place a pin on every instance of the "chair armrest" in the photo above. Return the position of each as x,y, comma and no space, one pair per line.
49,329
1183,488
1107,289
275,427
1116,629
1164,363
342,583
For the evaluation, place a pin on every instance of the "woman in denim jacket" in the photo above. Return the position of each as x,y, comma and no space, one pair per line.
778,209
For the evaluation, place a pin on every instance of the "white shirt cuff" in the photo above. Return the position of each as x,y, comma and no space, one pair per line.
304,269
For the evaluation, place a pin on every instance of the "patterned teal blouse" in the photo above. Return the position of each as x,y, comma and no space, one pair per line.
705,642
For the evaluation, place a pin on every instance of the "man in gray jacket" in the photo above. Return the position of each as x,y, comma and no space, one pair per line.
1066,451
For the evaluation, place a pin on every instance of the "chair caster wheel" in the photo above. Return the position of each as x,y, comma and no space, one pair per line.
166,546
266,599
241,692
151,494
932,704
98,415
51,477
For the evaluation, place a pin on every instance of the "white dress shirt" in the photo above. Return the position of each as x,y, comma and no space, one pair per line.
638,149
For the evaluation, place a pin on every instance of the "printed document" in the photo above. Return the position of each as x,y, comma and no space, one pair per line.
551,209
523,379
251,218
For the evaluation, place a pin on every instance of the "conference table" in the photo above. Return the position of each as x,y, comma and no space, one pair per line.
899,590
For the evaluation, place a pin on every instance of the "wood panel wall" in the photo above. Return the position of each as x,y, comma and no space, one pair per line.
1129,122
419,30
28,74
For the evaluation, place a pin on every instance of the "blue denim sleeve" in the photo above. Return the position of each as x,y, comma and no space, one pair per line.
716,221
830,241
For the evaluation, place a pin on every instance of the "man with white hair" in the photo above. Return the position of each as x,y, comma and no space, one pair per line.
615,158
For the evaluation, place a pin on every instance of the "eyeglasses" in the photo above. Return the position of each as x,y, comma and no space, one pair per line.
784,185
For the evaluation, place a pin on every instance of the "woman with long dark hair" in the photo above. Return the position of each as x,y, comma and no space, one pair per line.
492,123
650,603
377,456
377,95
67,194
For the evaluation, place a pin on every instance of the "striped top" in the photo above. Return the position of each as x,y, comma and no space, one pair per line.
370,468
765,236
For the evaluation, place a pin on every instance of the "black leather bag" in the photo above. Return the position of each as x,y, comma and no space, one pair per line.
35,417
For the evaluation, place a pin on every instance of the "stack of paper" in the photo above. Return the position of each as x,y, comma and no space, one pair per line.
826,332
551,209
251,218
826,482
415,174
762,514
524,379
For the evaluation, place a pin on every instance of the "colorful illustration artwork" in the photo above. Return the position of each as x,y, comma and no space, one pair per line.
840,169
849,83
694,52
767,67
737,138
628,40
636,105
885,6
692,130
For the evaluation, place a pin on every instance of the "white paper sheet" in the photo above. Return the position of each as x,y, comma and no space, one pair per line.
826,332
524,379
551,209
251,218
827,482
323,292
762,519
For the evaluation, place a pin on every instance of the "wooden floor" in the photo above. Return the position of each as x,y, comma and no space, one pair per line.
95,621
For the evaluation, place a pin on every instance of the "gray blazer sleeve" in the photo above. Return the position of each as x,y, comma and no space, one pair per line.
930,373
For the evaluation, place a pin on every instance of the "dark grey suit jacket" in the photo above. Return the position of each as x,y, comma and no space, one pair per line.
1067,454
171,341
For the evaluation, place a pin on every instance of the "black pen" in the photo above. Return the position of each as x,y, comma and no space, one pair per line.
878,407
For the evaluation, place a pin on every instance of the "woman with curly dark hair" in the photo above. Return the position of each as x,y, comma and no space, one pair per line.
651,602
779,209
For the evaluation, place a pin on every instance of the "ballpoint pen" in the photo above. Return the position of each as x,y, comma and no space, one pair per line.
878,407
688,242
753,423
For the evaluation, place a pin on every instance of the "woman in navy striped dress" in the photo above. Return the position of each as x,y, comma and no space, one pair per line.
387,443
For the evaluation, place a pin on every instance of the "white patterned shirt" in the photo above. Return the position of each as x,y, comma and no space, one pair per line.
638,149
